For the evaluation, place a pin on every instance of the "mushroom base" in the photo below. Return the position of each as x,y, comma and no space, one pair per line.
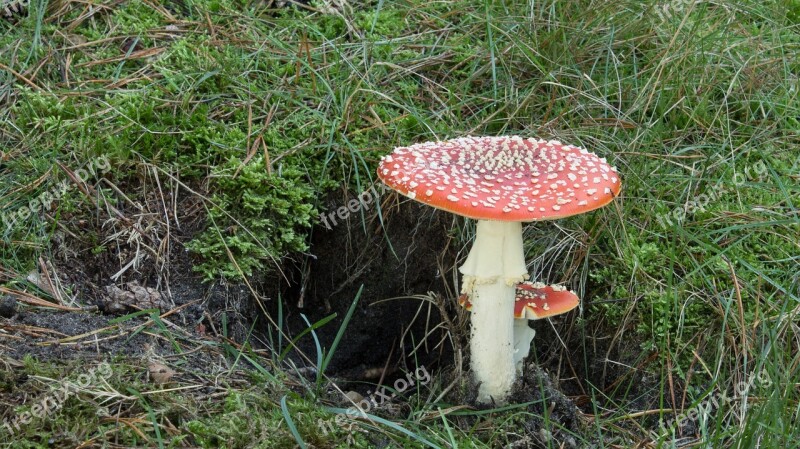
491,348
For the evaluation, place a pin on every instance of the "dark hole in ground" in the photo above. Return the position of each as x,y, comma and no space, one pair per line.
392,261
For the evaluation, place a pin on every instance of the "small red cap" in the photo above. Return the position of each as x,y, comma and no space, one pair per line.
536,301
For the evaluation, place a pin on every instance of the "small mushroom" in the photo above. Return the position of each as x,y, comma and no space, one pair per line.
501,182
533,301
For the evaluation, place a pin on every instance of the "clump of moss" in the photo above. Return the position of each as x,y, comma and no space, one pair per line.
256,217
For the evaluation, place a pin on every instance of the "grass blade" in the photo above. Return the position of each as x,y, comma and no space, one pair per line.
290,423
339,335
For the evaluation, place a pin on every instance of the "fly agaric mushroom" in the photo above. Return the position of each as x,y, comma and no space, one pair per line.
501,182
532,301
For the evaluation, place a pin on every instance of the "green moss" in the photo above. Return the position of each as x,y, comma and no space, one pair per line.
384,23
256,218
135,17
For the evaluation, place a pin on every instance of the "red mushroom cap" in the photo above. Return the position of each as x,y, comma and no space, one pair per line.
502,178
536,301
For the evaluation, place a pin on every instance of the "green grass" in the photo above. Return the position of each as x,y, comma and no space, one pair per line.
257,113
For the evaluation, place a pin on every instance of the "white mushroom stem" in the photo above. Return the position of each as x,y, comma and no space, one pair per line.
523,336
494,265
